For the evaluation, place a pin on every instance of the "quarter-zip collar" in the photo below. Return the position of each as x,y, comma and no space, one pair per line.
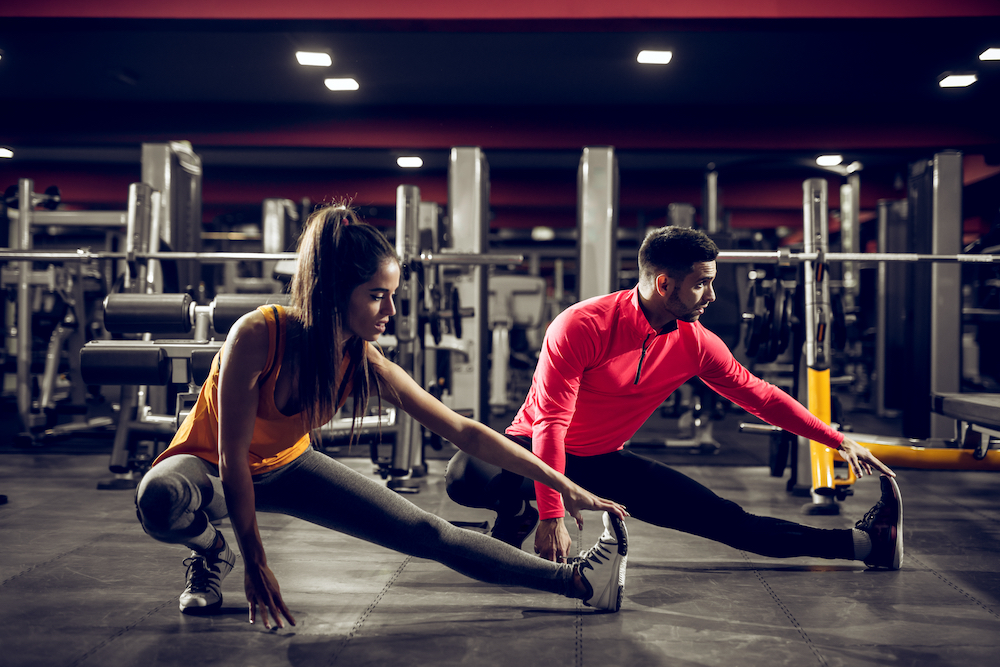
633,317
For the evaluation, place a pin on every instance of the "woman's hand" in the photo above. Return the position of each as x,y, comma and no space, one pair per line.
861,459
262,590
577,498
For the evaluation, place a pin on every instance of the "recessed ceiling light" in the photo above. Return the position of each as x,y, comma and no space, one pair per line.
957,79
992,53
6,153
829,160
313,59
542,233
341,84
654,57
409,162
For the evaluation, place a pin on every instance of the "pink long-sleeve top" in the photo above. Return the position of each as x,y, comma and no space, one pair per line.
603,370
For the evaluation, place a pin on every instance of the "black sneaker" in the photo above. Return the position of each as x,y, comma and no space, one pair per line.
884,524
603,566
513,528
204,580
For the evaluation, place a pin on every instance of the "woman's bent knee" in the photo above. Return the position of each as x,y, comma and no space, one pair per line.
166,505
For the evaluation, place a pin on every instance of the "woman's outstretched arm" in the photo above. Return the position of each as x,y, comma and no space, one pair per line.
243,358
483,442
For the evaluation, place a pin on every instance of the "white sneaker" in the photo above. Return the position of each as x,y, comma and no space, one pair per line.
204,580
606,561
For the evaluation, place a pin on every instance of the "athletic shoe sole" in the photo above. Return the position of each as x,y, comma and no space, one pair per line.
897,551
621,535
195,610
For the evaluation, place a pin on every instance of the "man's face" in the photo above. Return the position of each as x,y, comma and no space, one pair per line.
688,298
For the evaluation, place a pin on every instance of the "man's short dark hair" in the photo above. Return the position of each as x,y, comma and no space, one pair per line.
674,250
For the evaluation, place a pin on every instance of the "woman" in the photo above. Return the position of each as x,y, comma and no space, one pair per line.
245,446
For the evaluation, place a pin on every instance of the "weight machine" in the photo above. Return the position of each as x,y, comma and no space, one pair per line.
180,365
57,292
964,425
165,207
442,307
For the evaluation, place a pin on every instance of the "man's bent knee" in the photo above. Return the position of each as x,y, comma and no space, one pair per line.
457,484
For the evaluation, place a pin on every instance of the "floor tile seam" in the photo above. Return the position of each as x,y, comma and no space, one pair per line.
363,617
971,510
578,613
973,599
784,609
99,538
120,632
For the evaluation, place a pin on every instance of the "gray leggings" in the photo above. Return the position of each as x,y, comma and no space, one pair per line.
180,496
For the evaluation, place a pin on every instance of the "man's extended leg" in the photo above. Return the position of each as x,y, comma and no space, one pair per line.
660,495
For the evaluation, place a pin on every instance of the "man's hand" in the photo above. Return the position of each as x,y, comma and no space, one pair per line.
861,459
262,589
552,540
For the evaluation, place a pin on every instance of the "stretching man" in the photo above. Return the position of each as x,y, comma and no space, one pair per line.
606,364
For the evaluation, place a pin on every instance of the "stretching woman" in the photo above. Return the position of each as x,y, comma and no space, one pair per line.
245,446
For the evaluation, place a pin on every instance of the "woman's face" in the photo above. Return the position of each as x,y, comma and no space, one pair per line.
371,303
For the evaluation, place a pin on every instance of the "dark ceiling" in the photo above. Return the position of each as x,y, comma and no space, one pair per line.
743,94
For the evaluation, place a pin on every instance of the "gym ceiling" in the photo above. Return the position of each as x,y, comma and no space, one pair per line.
756,88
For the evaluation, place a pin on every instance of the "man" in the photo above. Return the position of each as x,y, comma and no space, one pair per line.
606,364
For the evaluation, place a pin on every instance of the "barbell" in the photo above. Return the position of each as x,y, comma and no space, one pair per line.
781,257
10,255
787,257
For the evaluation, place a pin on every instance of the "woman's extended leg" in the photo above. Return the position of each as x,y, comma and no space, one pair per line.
323,491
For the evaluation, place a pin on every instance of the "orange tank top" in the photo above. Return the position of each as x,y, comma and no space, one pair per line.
277,438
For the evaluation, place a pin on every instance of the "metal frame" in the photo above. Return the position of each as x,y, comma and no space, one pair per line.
945,304
597,222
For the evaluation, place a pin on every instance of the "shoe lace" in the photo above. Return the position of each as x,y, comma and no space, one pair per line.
597,553
199,576
869,516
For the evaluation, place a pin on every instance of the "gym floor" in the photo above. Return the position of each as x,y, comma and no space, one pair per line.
81,584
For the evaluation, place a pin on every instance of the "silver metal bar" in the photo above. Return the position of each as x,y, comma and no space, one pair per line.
138,232
815,226
73,218
786,257
408,248
713,222
946,285
850,236
765,429
469,259
468,211
409,438
880,310
342,426
596,221
24,310
85,255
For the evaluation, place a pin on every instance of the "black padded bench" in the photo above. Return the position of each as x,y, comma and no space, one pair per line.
150,361
980,411
164,361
